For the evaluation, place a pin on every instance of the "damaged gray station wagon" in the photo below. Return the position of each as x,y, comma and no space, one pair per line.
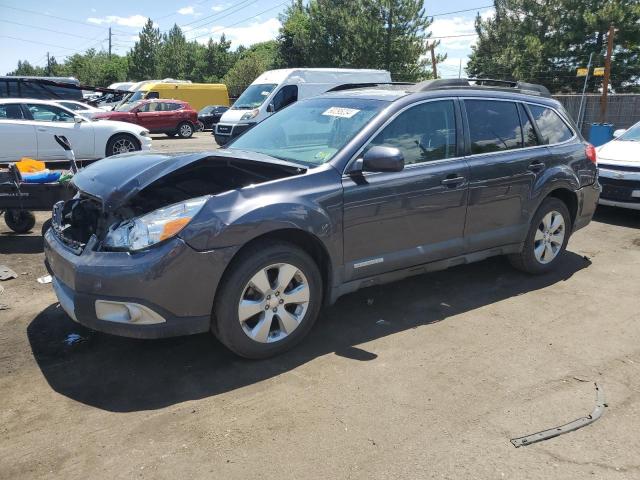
359,186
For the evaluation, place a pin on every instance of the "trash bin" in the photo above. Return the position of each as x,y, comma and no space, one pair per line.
600,133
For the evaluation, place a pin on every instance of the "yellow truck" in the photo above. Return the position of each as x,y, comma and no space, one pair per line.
199,95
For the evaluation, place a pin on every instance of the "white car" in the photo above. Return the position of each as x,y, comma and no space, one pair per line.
80,108
619,169
27,129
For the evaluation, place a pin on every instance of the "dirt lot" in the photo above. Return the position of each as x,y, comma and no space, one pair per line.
425,378
199,142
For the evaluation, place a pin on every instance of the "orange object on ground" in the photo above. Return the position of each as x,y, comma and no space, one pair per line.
29,165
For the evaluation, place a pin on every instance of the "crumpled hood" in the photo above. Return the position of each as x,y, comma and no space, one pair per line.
114,180
619,151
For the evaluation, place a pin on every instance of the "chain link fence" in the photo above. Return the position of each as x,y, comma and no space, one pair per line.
623,110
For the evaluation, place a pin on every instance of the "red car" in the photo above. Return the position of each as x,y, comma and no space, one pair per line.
173,117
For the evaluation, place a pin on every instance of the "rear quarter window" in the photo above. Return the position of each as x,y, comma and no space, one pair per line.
552,127
494,126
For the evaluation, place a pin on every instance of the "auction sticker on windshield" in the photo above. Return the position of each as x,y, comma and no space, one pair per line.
340,112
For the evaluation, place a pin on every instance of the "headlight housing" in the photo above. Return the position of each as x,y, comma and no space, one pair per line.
154,227
250,114
144,133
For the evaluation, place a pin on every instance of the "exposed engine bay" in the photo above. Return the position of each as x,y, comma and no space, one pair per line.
84,216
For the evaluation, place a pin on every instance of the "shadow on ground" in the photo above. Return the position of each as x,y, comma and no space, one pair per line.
621,217
123,375
11,243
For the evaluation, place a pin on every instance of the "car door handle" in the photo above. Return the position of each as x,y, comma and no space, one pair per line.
536,166
453,180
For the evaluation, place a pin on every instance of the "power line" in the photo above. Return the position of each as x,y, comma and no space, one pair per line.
238,23
239,4
460,11
86,24
39,43
46,29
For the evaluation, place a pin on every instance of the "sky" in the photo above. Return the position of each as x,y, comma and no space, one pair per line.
31,28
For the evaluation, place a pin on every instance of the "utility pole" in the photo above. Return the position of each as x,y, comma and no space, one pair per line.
48,65
109,42
433,61
460,69
584,89
607,75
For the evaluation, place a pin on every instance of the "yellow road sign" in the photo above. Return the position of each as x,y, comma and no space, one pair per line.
582,72
598,71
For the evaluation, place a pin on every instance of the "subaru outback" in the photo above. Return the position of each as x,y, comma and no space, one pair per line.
360,186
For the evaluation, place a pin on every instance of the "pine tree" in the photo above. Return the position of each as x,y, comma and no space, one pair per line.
144,55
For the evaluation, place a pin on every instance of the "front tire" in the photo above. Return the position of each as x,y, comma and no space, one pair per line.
268,301
20,221
547,238
185,130
122,143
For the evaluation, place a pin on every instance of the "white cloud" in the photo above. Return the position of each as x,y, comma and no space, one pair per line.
255,32
186,11
219,7
136,21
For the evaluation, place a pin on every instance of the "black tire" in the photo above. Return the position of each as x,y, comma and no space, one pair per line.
115,142
20,221
46,226
226,324
526,260
171,134
185,130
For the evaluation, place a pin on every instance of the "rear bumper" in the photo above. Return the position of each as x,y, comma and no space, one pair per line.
174,284
587,202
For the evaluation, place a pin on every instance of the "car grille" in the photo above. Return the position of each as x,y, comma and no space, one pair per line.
618,168
224,129
619,190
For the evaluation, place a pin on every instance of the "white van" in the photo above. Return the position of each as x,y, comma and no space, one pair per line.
275,89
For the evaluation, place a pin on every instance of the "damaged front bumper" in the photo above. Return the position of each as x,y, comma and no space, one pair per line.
165,291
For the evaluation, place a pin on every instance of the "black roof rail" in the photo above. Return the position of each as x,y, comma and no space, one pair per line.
484,83
349,86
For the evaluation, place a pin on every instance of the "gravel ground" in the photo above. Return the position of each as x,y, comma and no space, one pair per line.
201,141
425,378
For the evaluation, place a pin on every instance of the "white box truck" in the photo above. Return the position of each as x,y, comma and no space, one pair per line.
275,89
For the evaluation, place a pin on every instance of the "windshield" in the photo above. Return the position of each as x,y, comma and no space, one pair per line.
127,107
253,96
310,132
631,135
207,109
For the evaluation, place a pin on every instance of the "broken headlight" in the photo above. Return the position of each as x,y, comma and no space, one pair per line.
151,228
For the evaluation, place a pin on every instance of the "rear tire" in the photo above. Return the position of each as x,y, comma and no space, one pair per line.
546,240
20,221
185,130
268,300
122,143
46,226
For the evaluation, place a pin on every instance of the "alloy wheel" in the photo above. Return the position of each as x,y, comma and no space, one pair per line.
185,130
273,303
549,237
123,145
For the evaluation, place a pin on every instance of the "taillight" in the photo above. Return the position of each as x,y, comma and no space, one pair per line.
590,152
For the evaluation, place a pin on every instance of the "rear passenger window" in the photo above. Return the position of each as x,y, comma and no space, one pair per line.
551,126
423,133
528,132
494,126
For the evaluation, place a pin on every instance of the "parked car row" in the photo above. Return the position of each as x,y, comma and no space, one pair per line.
28,127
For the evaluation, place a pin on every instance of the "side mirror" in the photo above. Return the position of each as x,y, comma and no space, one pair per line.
271,108
383,159
78,119
619,132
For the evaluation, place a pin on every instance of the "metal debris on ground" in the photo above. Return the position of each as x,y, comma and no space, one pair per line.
4,306
567,427
6,273
44,279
